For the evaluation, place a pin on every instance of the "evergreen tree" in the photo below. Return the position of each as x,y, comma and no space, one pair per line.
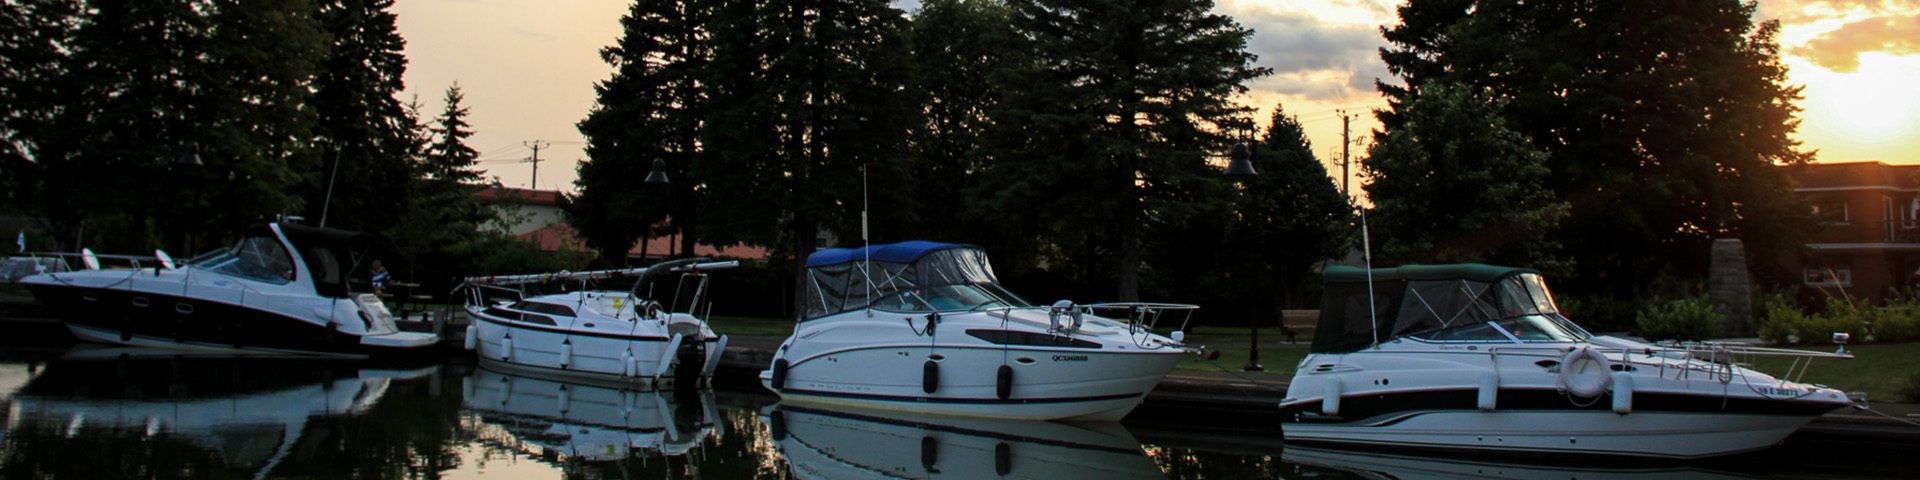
1663,122
1452,144
832,77
441,221
961,49
364,133
1296,217
1108,131
35,37
651,108
258,115
126,113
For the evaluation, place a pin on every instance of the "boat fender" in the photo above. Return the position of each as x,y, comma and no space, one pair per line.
506,348
1003,382
473,337
626,363
1585,372
1622,393
779,374
565,400
1002,459
566,354
930,376
929,453
777,425
1489,390
1330,398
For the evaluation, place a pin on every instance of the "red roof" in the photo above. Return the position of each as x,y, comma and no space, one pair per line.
556,236
535,197
1852,174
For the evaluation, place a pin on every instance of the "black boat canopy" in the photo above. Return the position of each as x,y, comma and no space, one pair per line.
1436,302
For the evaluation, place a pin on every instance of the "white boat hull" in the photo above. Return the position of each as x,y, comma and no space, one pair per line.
1058,384
646,352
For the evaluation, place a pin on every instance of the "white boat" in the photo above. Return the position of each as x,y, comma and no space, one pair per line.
587,422
1478,357
284,288
925,327
597,335
832,443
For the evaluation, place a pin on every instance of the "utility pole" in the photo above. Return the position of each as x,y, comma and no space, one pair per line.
536,145
1346,129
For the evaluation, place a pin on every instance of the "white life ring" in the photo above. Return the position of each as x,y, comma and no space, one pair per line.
1585,372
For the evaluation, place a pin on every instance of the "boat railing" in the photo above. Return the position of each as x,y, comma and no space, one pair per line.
1724,356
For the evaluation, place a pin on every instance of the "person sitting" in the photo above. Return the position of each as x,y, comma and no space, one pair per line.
380,276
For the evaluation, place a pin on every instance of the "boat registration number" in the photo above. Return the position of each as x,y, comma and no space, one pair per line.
1069,358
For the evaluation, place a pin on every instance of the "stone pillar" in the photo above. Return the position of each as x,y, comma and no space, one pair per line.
1728,287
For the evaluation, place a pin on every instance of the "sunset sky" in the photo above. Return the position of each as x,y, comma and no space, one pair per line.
528,68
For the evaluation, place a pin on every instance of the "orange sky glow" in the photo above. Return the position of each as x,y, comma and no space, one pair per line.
528,68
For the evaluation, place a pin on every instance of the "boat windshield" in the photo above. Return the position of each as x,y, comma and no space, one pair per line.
950,297
1516,308
258,258
954,278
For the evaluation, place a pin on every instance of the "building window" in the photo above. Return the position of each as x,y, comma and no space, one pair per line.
1829,276
1830,211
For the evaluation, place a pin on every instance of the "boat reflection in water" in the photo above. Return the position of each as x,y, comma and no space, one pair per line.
1324,461
569,423
848,444
115,411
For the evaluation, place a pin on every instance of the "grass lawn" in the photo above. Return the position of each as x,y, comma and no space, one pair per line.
1880,369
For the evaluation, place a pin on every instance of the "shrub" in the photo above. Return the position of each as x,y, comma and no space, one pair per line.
1779,316
1687,319
1910,393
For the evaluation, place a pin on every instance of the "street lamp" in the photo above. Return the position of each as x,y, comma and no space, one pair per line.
1240,170
659,174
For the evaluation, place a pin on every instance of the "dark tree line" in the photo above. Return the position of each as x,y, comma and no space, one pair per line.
1607,140
1084,136
136,125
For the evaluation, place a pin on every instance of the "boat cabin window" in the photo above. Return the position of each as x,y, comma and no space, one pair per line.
1515,309
255,258
949,297
546,308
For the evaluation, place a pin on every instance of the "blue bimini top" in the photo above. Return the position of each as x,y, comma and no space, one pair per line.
903,252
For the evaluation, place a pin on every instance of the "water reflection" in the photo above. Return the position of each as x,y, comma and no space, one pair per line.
90,413
1323,462
849,444
578,425
115,413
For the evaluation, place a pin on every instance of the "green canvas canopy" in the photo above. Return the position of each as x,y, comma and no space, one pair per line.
1445,302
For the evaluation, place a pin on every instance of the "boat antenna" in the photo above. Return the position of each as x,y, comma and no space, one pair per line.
1366,255
866,243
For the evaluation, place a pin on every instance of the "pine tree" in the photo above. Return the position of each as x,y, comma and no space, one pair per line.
961,48
259,119
1296,216
1663,122
651,108
128,99
34,37
364,133
1108,132
1452,144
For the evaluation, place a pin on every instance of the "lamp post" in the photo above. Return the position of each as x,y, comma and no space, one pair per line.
1240,170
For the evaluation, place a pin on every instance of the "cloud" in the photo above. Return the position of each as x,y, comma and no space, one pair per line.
1314,58
1840,49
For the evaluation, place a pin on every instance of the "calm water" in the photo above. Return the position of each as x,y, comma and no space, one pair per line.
89,413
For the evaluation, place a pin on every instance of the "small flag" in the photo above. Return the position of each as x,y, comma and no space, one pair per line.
22,242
